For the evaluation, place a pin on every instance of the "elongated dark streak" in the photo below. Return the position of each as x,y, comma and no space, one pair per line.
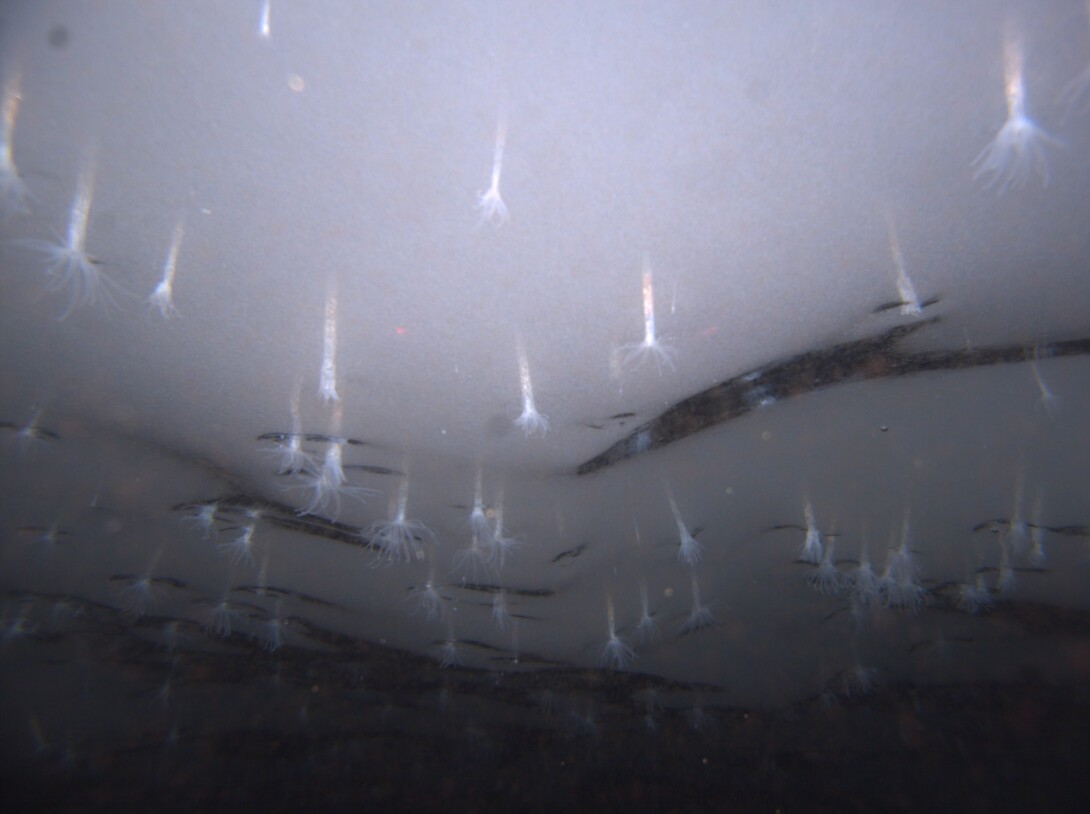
873,358
495,589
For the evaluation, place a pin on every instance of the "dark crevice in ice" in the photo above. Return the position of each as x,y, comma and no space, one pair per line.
875,357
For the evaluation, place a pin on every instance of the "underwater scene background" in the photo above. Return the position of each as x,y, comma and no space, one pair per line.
424,404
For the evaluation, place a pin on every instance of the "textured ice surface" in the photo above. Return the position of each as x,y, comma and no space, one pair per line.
756,155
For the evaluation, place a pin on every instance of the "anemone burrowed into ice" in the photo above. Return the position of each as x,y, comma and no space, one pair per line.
162,298
45,537
327,482
447,650
501,543
826,578
270,631
501,613
974,597
1017,528
399,539
327,376
1049,402
490,203
138,596
203,516
910,302
479,526
293,458
530,420
864,583
473,558
636,353
700,614
645,628
811,547
1037,556
13,192
689,550
1017,153
427,596
240,548
616,654
899,584
30,434
220,617
68,267
264,23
